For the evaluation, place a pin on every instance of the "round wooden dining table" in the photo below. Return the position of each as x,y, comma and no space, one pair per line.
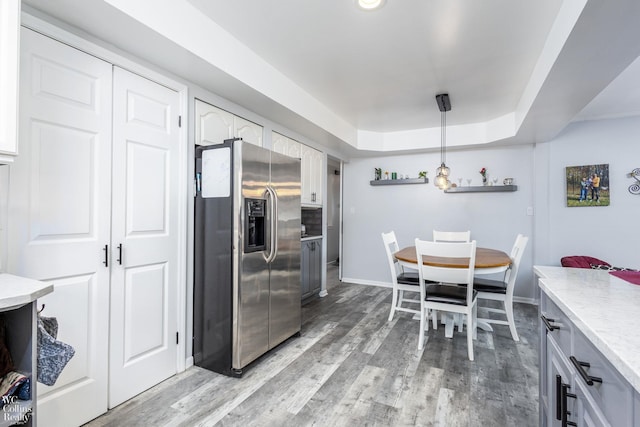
488,261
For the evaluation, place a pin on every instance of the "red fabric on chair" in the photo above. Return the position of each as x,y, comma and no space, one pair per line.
581,261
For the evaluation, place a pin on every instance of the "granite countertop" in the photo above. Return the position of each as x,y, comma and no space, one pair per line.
604,308
16,291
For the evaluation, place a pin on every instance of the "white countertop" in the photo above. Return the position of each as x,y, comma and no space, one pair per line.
309,237
17,291
604,308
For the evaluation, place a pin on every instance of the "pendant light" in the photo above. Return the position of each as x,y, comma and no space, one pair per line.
442,173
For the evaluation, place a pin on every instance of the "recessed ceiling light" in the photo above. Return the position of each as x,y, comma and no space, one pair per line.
370,4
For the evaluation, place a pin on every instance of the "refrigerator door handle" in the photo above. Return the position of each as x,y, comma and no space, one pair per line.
274,224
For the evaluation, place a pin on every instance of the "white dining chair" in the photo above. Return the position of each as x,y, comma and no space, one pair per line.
401,280
445,296
452,236
502,290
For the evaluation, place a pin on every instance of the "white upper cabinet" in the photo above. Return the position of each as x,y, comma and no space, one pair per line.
214,125
9,60
248,131
311,176
310,167
284,145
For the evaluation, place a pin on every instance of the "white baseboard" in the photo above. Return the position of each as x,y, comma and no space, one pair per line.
367,282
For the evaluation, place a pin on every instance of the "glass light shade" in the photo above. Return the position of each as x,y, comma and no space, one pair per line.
443,170
440,181
370,4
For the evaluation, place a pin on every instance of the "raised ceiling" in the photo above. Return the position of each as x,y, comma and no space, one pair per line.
366,81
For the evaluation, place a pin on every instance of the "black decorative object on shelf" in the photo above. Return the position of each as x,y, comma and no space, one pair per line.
635,187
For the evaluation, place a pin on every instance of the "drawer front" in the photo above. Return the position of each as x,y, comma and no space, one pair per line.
562,335
587,413
613,395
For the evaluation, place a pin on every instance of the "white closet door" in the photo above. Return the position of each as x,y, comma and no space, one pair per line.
59,213
145,222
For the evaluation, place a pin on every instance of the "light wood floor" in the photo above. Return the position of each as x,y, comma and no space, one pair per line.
351,367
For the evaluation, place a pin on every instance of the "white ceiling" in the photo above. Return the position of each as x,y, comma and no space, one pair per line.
381,70
515,71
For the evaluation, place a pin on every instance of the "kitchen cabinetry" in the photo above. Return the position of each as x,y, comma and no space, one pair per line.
310,267
18,299
311,191
284,145
214,125
310,168
9,60
578,385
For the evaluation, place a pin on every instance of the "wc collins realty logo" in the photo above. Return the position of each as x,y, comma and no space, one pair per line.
13,411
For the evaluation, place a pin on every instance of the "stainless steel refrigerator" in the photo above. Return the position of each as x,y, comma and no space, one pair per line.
247,254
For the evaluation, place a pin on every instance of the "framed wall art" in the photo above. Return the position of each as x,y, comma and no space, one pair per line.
588,185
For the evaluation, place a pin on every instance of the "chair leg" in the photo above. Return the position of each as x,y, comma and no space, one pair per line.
423,314
459,321
394,301
470,333
474,321
434,314
508,308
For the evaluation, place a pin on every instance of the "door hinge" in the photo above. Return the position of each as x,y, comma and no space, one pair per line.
177,337
179,121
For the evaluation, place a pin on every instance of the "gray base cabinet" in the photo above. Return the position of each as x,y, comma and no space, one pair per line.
310,268
578,385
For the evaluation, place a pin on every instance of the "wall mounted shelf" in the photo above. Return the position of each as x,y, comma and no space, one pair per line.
483,189
400,181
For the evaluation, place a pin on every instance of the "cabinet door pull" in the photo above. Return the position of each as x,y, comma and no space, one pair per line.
566,413
119,254
558,397
580,368
547,323
106,255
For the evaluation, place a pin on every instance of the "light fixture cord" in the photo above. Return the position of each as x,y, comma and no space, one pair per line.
443,124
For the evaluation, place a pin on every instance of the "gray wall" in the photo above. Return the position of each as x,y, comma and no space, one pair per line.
610,233
416,210
555,230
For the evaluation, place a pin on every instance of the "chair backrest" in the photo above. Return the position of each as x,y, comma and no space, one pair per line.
391,247
445,274
452,236
516,255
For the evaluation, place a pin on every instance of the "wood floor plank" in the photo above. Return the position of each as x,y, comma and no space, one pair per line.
351,367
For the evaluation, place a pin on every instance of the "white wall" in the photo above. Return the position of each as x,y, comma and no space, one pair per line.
415,210
610,233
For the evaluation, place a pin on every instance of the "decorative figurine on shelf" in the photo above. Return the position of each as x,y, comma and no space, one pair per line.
635,187
483,172
378,174
422,174
386,174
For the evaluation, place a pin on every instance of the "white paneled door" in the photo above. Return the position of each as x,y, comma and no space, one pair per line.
94,208
60,213
144,235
